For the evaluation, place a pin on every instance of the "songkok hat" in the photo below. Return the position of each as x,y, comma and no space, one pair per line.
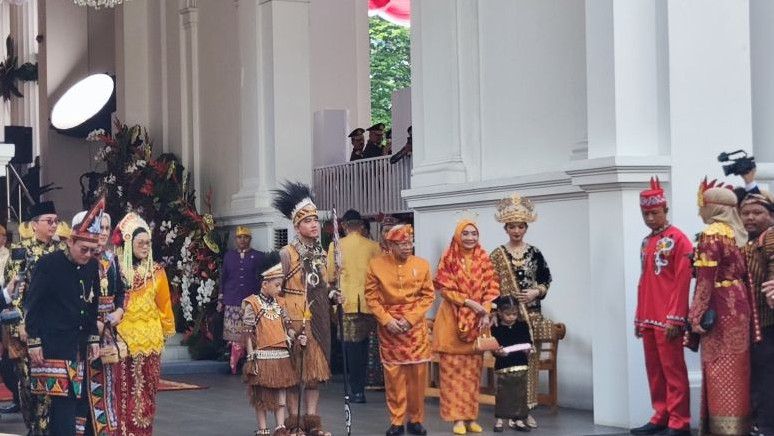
42,208
63,230
294,201
356,132
243,231
764,198
515,209
400,233
653,197
90,226
715,193
352,215
377,126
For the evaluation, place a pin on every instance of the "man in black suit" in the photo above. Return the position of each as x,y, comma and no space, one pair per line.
375,137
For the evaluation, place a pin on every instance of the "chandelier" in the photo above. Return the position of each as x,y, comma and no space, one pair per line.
96,4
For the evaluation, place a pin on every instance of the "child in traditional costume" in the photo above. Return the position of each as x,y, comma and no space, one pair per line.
512,330
268,371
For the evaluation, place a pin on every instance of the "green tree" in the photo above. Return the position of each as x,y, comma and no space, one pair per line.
390,65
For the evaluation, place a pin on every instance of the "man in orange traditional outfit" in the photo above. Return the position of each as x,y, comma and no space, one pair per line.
399,292
660,320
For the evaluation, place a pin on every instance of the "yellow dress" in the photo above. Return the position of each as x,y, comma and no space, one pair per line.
148,318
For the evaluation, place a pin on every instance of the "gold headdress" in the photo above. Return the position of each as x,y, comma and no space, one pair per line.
274,272
126,228
515,209
243,231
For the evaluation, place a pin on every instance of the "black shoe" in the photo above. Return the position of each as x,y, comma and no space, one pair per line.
13,408
358,398
395,430
416,428
673,432
648,429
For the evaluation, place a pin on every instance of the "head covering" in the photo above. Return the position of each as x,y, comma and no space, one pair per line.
124,236
356,132
515,209
377,126
352,215
63,230
25,230
90,227
764,198
400,233
78,218
42,208
271,266
717,204
243,231
274,272
653,198
294,200
470,273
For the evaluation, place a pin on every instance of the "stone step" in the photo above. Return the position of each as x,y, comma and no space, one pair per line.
194,367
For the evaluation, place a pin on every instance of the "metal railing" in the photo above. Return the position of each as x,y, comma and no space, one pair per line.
371,186
21,189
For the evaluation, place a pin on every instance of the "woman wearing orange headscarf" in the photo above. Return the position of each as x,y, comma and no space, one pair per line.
468,284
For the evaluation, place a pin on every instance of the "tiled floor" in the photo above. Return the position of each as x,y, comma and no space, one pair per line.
223,410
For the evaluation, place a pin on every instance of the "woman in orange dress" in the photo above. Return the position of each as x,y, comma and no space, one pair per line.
468,284
148,321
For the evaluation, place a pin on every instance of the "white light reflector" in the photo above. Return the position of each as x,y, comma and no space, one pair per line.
82,101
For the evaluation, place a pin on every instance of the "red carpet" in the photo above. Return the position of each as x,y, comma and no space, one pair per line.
164,385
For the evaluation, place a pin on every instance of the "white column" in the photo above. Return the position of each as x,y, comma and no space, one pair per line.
445,92
189,95
24,22
628,118
133,62
762,70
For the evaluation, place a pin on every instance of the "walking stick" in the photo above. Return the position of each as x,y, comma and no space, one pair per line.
301,384
340,312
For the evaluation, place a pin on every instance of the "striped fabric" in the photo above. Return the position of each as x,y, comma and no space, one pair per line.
759,254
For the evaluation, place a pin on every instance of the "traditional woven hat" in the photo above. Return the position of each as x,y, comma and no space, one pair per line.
653,198
243,231
515,209
400,233
90,226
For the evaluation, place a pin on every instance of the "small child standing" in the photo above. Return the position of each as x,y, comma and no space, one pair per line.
268,371
511,367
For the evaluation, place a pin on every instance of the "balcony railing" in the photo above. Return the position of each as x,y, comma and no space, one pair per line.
371,186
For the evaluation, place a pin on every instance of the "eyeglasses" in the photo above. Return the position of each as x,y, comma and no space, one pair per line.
143,243
89,250
49,221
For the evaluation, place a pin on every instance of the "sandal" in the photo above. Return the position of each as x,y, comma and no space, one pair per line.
262,432
281,431
498,428
531,422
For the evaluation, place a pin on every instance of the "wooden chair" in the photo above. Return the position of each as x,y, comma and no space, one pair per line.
548,351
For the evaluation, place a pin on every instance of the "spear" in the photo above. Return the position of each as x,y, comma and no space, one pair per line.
340,313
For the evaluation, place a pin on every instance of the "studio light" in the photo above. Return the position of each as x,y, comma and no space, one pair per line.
86,106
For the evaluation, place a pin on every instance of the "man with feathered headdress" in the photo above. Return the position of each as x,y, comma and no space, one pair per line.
307,298
61,320
661,316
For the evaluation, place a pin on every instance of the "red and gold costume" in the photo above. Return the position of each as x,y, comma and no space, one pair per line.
463,274
398,290
722,287
662,300
148,320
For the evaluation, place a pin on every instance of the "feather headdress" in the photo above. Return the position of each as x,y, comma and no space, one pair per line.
294,200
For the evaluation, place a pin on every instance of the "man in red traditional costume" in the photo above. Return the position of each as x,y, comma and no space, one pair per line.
399,291
662,308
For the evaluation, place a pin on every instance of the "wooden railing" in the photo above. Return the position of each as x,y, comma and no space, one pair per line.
371,186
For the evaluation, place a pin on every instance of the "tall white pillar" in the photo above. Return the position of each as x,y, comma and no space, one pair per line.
628,116
275,121
189,95
445,92
762,70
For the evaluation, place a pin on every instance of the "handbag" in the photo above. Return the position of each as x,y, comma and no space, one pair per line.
708,319
112,347
486,342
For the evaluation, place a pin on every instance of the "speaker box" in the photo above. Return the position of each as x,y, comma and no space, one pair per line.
21,137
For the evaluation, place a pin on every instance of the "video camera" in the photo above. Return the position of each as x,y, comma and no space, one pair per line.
740,165
13,315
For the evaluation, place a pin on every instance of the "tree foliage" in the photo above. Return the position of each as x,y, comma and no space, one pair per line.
390,65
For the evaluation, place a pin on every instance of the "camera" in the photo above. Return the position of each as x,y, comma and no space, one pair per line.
740,165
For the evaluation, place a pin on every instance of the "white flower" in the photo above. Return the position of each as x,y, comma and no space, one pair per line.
95,134
140,163
170,238
111,179
121,193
